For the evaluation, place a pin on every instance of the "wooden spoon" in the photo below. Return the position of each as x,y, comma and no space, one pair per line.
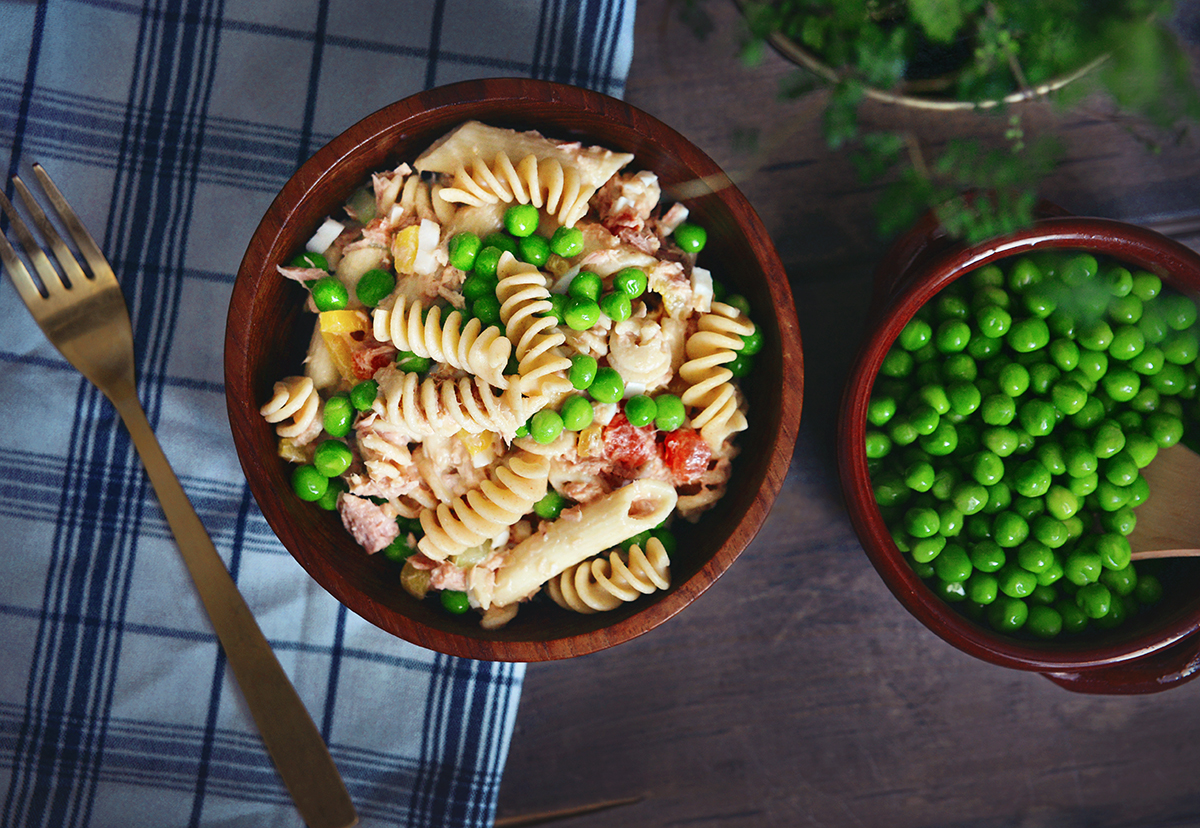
1168,523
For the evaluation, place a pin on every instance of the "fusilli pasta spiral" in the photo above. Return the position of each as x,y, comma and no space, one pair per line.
600,584
445,407
524,303
546,184
485,512
469,347
710,394
293,406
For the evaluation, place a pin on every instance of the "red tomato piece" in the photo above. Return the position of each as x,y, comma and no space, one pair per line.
369,360
686,454
627,445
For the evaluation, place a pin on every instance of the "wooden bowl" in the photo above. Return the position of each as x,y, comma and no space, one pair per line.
1154,650
267,334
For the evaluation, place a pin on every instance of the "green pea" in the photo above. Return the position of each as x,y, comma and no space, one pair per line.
1061,502
607,387
641,410
982,587
558,307
1094,599
1114,550
454,601
691,238
987,468
1142,448
1146,285
964,397
1121,384
1096,336
670,414
332,457
664,536
889,490
1062,323
1023,274
915,335
1037,417
1121,581
1050,575
362,396
1107,439
1049,531
752,342
631,281
941,442
1084,485
969,498
987,556
953,564
308,483
581,313
566,242
1179,311
984,348
1000,440
486,261
534,249
1093,363
329,500
999,499
924,550
545,426
338,415
1148,590
502,241
1118,281
1008,614
463,248
1153,325
740,302
311,260
329,294
1170,380
921,522
1126,310
477,286
896,363
398,551
1082,568
521,220
1028,335
1065,354
1034,556
1040,301
988,276
993,321
901,431
1166,429
741,365
1028,507
585,285
919,476
1068,396
577,413
1042,376
582,371
880,410
410,363
550,506
1181,347
952,336
959,368
487,310
1139,492
617,307
998,409
1009,529
1044,621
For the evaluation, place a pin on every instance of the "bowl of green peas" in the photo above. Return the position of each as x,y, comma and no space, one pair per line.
269,328
993,433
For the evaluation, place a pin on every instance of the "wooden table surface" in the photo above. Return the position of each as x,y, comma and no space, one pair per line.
797,691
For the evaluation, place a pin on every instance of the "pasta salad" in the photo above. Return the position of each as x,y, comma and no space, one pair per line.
518,375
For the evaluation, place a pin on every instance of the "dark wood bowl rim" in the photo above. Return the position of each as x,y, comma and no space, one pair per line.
460,102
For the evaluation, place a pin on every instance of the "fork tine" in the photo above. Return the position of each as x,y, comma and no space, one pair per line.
83,239
18,273
66,259
37,257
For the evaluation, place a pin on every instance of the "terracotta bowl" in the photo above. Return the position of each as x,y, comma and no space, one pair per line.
1155,649
267,334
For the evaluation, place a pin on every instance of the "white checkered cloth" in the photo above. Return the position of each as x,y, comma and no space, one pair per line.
170,127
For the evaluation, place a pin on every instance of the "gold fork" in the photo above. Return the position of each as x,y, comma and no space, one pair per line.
86,318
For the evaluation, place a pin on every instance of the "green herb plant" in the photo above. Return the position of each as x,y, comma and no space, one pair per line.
979,52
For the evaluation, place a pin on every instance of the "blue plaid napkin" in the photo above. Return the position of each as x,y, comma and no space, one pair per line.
170,127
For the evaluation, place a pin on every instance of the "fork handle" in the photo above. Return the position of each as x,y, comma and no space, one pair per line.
291,737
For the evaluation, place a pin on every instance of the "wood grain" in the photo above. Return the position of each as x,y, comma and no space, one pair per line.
797,691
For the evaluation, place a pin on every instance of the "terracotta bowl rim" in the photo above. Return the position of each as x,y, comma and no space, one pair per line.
897,297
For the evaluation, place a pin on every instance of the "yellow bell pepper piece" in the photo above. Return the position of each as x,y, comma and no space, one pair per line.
591,441
475,443
404,248
337,328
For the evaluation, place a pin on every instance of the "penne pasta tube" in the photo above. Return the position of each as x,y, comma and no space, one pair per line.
602,524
